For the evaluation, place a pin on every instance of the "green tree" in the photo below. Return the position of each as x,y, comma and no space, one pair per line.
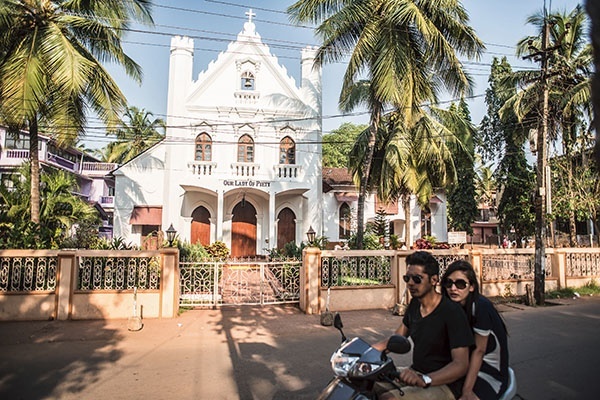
51,73
136,132
406,49
60,210
462,204
337,144
502,131
570,66
414,161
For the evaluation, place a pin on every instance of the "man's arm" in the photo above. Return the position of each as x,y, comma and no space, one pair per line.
452,371
382,344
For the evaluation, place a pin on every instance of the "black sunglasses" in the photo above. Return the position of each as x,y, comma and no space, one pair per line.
459,283
416,278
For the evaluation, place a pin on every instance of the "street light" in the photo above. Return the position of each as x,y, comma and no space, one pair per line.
311,235
171,232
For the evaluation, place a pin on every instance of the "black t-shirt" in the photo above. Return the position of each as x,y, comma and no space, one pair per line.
494,369
434,336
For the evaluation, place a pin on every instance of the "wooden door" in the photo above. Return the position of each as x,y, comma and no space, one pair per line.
286,227
243,230
200,226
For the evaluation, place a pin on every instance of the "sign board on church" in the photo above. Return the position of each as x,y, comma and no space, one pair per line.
459,237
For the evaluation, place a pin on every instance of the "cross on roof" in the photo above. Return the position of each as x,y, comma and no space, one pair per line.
250,14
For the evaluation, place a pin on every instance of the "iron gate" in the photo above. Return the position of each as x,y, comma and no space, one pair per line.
237,283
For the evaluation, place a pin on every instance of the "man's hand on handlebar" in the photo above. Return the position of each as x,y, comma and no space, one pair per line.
411,378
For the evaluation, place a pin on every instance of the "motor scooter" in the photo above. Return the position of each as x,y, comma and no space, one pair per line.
358,366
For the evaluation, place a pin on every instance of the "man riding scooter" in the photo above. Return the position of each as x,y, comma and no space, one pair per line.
441,335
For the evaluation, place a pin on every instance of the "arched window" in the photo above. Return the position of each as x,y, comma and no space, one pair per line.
247,81
203,147
287,151
344,221
245,149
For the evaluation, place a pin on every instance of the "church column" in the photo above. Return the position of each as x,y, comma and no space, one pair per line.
272,218
220,215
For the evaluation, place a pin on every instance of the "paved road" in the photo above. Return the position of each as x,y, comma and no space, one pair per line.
264,353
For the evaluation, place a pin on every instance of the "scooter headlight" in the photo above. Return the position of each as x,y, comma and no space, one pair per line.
342,363
349,366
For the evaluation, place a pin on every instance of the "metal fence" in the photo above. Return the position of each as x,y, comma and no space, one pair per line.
118,273
497,267
212,283
28,274
350,270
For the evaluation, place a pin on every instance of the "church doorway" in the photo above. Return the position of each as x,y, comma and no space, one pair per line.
243,230
201,226
286,227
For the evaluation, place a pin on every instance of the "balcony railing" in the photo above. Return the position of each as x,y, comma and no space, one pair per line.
287,170
107,201
13,153
62,162
202,167
98,168
245,169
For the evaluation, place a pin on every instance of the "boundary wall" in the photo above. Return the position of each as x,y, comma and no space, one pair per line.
501,272
88,284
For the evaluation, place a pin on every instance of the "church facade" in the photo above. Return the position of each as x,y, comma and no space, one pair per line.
241,160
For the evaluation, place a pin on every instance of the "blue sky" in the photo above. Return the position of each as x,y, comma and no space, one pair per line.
214,23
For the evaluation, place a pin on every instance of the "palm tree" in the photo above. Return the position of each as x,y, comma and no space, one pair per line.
135,133
60,209
486,187
416,159
569,83
406,50
50,67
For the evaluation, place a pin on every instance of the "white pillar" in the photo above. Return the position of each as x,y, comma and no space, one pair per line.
220,215
272,219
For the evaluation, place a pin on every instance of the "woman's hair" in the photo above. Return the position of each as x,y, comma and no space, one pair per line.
466,268
472,297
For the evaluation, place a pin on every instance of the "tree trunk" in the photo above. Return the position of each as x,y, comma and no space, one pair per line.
34,158
364,178
407,222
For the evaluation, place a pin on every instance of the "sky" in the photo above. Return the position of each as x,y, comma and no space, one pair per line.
500,24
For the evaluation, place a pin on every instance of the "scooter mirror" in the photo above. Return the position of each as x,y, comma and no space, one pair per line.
337,321
398,344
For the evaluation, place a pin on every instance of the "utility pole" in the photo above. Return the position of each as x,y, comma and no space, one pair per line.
541,150
540,202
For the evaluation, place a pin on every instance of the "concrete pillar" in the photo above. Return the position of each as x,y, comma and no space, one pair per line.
169,283
476,260
65,285
559,266
310,282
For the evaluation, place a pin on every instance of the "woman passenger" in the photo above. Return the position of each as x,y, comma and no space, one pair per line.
487,376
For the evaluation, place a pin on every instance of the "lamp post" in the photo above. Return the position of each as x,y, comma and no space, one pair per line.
310,235
171,232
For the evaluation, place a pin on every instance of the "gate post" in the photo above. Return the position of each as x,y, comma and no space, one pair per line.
310,280
66,284
169,283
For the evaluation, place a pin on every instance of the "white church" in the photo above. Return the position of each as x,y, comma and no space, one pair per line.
241,160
